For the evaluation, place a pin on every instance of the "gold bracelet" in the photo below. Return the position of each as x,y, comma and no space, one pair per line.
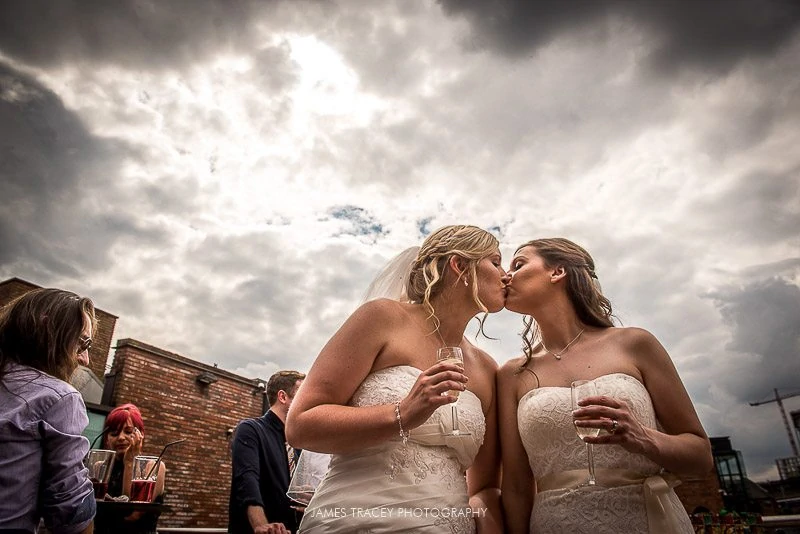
403,434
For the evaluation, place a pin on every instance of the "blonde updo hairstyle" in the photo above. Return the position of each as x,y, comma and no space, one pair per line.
583,289
426,279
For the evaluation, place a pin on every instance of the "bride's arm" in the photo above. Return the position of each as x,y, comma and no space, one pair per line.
683,447
319,418
483,477
517,484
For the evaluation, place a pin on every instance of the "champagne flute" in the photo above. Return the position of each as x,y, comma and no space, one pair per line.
580,390
453,355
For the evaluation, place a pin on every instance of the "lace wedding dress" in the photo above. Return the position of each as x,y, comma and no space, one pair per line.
631,495
419,487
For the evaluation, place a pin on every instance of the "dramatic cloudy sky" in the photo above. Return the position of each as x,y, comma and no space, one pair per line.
227,176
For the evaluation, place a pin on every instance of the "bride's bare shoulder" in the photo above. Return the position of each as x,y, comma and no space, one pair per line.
383,307
380,314
483,358
511,368
630,336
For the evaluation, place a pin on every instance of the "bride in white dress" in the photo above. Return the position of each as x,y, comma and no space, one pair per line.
376,399
650,432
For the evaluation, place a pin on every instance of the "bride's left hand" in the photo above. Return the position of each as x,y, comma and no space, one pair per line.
615,417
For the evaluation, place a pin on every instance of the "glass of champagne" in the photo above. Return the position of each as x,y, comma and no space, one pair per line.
453,355
580,390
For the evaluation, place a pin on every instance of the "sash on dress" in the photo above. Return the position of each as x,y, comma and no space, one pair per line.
439,433
661,516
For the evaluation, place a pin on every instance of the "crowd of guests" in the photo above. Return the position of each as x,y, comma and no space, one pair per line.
377,400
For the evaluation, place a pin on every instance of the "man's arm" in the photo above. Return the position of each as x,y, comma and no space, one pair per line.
258,521
245,460
67,497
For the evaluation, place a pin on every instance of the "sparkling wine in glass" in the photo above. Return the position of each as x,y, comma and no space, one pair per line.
580,390
453,355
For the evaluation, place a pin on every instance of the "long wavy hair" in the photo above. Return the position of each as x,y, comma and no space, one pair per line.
426,279
583,288
42,329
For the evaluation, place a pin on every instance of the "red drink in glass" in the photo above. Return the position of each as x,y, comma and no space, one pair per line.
100,488
142,490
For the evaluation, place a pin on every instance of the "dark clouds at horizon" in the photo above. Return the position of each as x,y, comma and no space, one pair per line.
709,35
143,34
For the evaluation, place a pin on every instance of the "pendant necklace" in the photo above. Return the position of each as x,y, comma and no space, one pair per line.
558,354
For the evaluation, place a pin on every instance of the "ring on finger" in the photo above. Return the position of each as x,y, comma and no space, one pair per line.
614,427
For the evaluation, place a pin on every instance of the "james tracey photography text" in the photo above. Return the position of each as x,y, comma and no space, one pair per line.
390,512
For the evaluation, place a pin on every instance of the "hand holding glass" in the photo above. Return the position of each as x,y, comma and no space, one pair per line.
453,355
580,390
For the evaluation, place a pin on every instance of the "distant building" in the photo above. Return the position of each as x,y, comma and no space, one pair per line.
739,493
788,468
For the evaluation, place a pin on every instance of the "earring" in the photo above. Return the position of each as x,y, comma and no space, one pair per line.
466,282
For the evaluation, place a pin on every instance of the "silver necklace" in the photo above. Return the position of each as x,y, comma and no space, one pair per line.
558,354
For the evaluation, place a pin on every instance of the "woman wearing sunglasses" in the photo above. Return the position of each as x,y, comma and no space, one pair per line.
44,335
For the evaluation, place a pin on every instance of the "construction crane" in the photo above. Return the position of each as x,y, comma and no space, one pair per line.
779,399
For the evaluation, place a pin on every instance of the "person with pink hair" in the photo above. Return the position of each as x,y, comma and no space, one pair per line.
125,435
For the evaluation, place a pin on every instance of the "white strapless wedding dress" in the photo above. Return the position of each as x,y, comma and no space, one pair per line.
389,488
631,496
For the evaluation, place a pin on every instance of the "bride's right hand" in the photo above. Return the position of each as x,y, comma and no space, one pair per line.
430,391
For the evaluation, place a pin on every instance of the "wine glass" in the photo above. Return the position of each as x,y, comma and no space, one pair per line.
580,390
453,355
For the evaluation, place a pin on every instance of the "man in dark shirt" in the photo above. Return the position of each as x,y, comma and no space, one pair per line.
258,502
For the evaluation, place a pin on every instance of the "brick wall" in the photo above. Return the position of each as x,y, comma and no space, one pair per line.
174,405
701,492
101,342
13,288
106,322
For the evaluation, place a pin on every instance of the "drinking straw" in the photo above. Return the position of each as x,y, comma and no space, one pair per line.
101,434
158,460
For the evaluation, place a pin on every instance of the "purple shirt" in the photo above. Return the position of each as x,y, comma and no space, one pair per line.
41,454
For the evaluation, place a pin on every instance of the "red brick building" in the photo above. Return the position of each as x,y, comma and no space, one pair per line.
701,494
182,398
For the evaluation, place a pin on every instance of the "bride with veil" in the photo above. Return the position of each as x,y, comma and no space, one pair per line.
377,400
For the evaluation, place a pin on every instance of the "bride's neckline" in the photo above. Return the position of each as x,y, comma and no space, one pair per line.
417,369
395,367
625,375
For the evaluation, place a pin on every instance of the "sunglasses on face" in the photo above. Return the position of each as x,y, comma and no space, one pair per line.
84,343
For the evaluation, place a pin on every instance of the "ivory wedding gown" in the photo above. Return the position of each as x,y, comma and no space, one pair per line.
630,497
419,487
